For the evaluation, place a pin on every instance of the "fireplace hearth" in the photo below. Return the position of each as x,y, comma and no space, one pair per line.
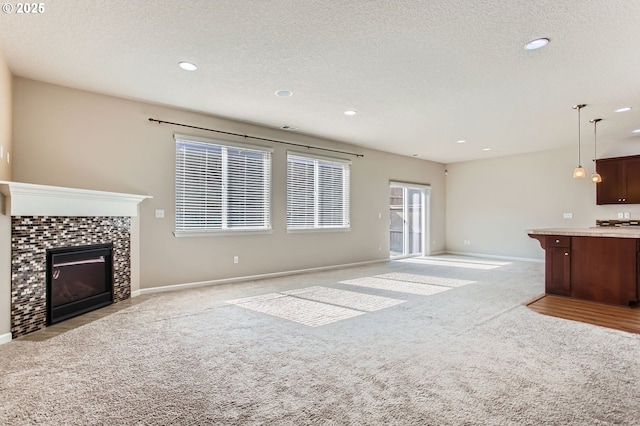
79,280
44,217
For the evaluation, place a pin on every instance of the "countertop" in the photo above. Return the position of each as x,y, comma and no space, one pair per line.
605,231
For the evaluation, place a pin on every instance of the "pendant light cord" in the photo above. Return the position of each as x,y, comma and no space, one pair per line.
595,140
579,107
579,154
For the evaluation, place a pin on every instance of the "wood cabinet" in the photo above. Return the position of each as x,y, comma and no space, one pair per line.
601,269
558,269
604,269
620,180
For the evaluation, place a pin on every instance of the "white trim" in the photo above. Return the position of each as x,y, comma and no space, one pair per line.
5,338
27,199
185,286
492,256
188,138
326,229
221,232
136,293
319,157
409,184
425,217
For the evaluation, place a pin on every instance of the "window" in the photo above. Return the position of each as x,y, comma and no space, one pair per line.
317,192
221,187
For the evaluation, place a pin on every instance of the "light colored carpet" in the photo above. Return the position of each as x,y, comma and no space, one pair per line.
470,355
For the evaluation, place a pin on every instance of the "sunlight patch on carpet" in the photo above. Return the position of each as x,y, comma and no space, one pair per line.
302,311
395,285
425,279
345,298
259,298
455,263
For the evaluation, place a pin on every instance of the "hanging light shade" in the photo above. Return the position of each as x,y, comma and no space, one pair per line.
579,172
595,177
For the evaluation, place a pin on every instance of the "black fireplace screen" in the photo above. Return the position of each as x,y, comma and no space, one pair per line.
79,280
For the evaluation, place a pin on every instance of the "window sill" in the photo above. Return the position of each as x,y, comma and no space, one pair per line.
224,233
311,230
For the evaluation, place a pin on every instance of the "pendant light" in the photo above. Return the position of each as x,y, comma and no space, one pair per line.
595,177
579,172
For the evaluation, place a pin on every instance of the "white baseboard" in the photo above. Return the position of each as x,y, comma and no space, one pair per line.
5,338
437,253
492,256
184,286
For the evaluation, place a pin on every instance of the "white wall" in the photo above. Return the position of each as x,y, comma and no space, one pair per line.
492,202
93,141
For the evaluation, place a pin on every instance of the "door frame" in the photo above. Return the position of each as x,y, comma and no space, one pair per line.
425,216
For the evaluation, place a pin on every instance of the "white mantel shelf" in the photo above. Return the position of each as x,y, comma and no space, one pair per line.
28,199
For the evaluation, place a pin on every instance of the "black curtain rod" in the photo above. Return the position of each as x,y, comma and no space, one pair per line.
256,138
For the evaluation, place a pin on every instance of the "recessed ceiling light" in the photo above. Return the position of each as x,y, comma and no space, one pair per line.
462,141
623,109
187,66
635,131
486,149
350,112
290,128
414,155
284,93
536,44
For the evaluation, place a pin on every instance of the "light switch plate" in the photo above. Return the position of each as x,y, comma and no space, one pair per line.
567,215
620,215
627,215
159,214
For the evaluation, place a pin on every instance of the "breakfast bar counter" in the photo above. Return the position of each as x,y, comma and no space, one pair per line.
598,264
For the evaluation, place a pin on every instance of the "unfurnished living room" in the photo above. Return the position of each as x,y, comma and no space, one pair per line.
292,212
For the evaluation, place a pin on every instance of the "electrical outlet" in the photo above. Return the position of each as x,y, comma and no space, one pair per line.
159,214
567,215
620,215
627,215
236,259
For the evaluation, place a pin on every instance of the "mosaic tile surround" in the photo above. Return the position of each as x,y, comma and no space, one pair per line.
31,236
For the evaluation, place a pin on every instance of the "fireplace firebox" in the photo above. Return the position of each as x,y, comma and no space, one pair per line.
79,280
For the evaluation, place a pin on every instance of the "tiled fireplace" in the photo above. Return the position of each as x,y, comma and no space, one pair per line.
31,236
44,218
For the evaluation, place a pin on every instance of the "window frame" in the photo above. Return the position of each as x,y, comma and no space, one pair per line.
225,229
317,212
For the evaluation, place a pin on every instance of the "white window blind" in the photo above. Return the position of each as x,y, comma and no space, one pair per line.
221,187
317,192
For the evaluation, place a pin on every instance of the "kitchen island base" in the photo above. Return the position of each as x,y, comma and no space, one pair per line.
602,267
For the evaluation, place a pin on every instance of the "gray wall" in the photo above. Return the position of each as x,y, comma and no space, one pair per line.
6,126
92,141
6,118
492,202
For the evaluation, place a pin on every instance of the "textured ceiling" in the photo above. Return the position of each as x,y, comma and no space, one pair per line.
421,74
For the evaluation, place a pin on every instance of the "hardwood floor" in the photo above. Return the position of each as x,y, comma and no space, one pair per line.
616,317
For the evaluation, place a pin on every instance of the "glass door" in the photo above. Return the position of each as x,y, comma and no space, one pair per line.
406,220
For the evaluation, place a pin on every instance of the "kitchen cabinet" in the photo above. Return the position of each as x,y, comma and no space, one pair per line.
558,261
601,265
620,180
